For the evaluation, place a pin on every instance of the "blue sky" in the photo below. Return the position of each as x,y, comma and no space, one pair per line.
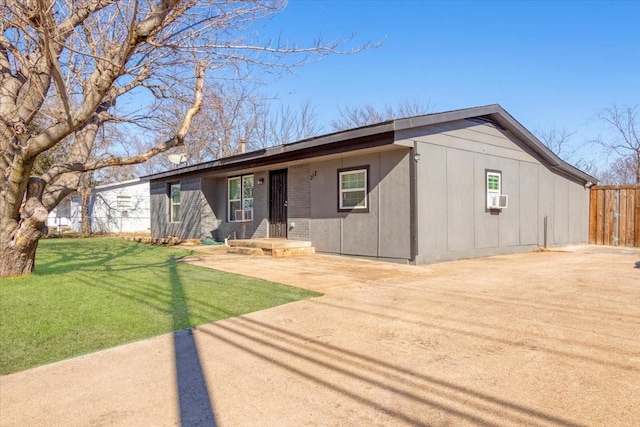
547,63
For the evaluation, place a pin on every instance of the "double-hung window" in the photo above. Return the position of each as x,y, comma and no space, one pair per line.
174,199
353,189
240,198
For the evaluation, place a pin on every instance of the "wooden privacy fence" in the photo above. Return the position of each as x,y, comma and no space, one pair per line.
614,216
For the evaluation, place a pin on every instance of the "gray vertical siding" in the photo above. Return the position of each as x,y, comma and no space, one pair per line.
325,229
459,201
191,203
486,228
453,219
159,208
394,205
210,221
360,232
528,203
509,219
384,231
432,199
450,200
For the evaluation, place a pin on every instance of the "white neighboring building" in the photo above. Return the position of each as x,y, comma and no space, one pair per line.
122,207
66,216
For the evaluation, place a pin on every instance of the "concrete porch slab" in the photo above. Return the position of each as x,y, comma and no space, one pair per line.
278,248
273,243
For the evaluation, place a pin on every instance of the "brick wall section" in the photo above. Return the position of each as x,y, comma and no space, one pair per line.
298,201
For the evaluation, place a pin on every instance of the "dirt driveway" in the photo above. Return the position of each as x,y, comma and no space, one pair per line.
547,338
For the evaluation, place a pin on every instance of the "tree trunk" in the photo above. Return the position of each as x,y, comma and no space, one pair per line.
19,237
18,257
86,221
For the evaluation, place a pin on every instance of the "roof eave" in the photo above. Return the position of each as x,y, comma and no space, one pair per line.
494,112
310,143
500,116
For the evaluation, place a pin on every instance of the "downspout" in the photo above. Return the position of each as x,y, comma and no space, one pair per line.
414,158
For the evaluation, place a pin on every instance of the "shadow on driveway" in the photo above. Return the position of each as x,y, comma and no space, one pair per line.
193,393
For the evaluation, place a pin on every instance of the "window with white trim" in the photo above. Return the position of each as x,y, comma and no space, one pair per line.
240,198
494,188
174,202
353,189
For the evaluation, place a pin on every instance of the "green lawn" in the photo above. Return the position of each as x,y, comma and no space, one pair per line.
91,294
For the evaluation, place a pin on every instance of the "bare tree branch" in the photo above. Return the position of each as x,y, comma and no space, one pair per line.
66,64
625,141
368,114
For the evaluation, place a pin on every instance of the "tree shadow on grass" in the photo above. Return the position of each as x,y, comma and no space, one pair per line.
68,255
193,394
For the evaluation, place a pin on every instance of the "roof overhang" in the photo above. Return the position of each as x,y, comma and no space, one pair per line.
498,115
379,135
341,142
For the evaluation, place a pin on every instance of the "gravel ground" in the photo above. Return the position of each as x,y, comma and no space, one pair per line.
545,338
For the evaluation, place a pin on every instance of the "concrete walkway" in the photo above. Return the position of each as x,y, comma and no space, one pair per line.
547,338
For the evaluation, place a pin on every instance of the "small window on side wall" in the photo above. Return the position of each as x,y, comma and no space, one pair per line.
174,202
353,189
495,199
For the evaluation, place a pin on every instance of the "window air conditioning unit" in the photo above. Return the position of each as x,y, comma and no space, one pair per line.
498,201
238,215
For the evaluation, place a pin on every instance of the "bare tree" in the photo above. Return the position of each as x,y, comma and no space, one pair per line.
231,115
624,143
287,124
368,114
621,171
65,65
235,112
558,140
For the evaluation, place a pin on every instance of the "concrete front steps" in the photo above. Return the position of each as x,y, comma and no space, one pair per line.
278,248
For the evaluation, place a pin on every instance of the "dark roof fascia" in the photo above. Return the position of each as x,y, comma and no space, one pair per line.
344,141
327,145
501,117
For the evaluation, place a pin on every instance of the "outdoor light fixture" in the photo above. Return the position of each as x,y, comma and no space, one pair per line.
260,181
